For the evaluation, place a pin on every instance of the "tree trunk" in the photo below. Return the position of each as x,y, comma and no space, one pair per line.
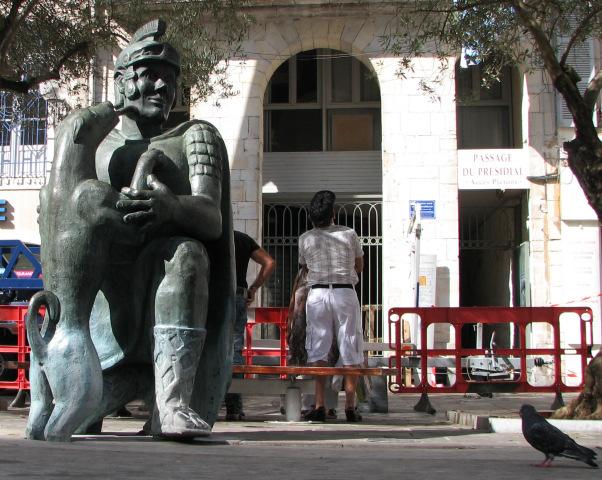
585,161
588,405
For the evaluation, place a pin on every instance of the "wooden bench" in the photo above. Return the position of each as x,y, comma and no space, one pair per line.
291,386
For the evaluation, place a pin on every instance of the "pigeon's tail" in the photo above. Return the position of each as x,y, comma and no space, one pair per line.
581,453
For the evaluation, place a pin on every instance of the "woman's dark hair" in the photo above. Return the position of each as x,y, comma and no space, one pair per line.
321,208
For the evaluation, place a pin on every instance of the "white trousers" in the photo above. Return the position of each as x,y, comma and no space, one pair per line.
334,313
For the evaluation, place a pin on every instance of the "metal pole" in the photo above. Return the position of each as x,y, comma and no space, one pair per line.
417,251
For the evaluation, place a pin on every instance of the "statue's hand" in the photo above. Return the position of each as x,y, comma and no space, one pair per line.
151,209
148,162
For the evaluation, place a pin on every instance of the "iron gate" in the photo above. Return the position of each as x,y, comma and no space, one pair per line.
282,225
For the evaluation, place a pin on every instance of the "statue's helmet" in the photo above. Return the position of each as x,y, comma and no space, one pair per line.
145,46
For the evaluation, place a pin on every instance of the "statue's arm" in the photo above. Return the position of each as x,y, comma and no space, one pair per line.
196,216
158,211
207,157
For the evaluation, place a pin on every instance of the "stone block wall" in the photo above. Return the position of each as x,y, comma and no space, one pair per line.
418,137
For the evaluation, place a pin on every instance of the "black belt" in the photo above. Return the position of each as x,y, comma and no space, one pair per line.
241,291
332,285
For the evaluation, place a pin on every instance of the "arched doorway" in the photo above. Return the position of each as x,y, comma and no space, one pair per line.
322,130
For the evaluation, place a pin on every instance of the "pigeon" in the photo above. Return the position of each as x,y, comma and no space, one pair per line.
551,441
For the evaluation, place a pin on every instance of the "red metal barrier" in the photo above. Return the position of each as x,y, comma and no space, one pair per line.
12,318
277,316
422,359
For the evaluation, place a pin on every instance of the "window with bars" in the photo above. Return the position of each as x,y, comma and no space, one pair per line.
24,119
23,136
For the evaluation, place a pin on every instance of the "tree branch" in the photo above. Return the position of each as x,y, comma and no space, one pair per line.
18,86
543,44
577,33
54,73
563,77
13,21
458,8
10,20
76,49
592,91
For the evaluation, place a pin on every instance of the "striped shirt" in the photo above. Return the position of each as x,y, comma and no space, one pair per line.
329,254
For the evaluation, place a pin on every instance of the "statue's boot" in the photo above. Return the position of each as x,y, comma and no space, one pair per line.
176,357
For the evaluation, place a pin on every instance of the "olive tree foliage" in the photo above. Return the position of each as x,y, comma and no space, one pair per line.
498,33
57,40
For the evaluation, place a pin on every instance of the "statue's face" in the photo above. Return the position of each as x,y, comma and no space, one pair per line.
156,83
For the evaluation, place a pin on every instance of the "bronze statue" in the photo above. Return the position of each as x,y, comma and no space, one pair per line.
163,308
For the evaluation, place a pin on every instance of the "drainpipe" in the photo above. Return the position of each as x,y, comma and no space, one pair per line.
544,180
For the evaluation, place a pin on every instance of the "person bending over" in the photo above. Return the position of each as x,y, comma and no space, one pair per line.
245,248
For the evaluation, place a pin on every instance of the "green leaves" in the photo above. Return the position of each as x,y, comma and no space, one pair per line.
57,39
489,31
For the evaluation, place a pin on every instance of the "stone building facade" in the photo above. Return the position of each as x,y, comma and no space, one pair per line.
503,220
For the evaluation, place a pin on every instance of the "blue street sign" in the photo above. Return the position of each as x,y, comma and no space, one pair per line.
427,209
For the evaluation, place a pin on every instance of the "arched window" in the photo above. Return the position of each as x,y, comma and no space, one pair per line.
322,100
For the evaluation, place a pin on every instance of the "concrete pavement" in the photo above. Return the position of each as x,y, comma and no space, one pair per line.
400,444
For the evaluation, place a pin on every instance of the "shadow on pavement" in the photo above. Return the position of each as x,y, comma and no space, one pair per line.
298,434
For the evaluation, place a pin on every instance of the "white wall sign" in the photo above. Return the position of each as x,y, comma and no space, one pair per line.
489,169
428,281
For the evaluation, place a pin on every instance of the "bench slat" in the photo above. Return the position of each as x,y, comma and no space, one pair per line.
291,370
271,344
